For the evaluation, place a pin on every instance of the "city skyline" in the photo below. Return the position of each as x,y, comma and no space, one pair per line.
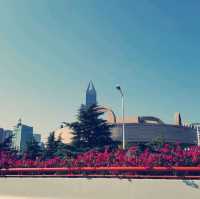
50,51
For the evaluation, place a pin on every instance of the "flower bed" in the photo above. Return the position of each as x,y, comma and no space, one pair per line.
166,156
167,162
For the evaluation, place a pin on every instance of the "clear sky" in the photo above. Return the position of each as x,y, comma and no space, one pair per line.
49,50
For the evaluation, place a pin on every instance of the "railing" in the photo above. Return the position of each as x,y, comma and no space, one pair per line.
106,172
196,126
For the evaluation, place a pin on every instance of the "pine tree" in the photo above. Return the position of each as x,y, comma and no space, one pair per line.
33,150
63,150
56,148
6,145
51,146
91,130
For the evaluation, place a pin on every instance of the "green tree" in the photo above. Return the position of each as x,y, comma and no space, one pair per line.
6,145
156,144
56,148
51,146
63,150
90,130
33,150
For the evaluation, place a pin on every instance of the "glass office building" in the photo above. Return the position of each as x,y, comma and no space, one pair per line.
21,135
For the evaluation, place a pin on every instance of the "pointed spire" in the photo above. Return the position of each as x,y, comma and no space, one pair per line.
91,94
178,120
91,87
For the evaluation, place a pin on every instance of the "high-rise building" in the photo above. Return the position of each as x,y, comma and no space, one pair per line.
91,96
21,135
7,133
1,135
4,134
37,137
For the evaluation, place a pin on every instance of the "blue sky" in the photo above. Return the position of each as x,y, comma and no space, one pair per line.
49,50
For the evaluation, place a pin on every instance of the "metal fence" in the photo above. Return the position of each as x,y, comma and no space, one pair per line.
106,172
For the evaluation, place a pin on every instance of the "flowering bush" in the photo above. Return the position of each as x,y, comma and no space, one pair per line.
168,155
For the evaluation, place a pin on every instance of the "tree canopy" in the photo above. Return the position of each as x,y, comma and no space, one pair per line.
33,150
56,148
90,130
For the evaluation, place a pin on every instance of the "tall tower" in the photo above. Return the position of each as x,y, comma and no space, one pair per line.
178,120
91,96
21,135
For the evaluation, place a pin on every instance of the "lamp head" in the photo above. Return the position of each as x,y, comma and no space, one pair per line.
118,87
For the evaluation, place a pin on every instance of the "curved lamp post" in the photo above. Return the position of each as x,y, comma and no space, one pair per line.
123,126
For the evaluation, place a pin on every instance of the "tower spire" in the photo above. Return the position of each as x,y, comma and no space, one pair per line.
91,96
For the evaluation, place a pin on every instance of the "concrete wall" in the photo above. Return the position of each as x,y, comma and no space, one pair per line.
148,132
65,188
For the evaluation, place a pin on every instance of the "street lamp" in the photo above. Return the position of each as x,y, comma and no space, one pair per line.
123,126
198,135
